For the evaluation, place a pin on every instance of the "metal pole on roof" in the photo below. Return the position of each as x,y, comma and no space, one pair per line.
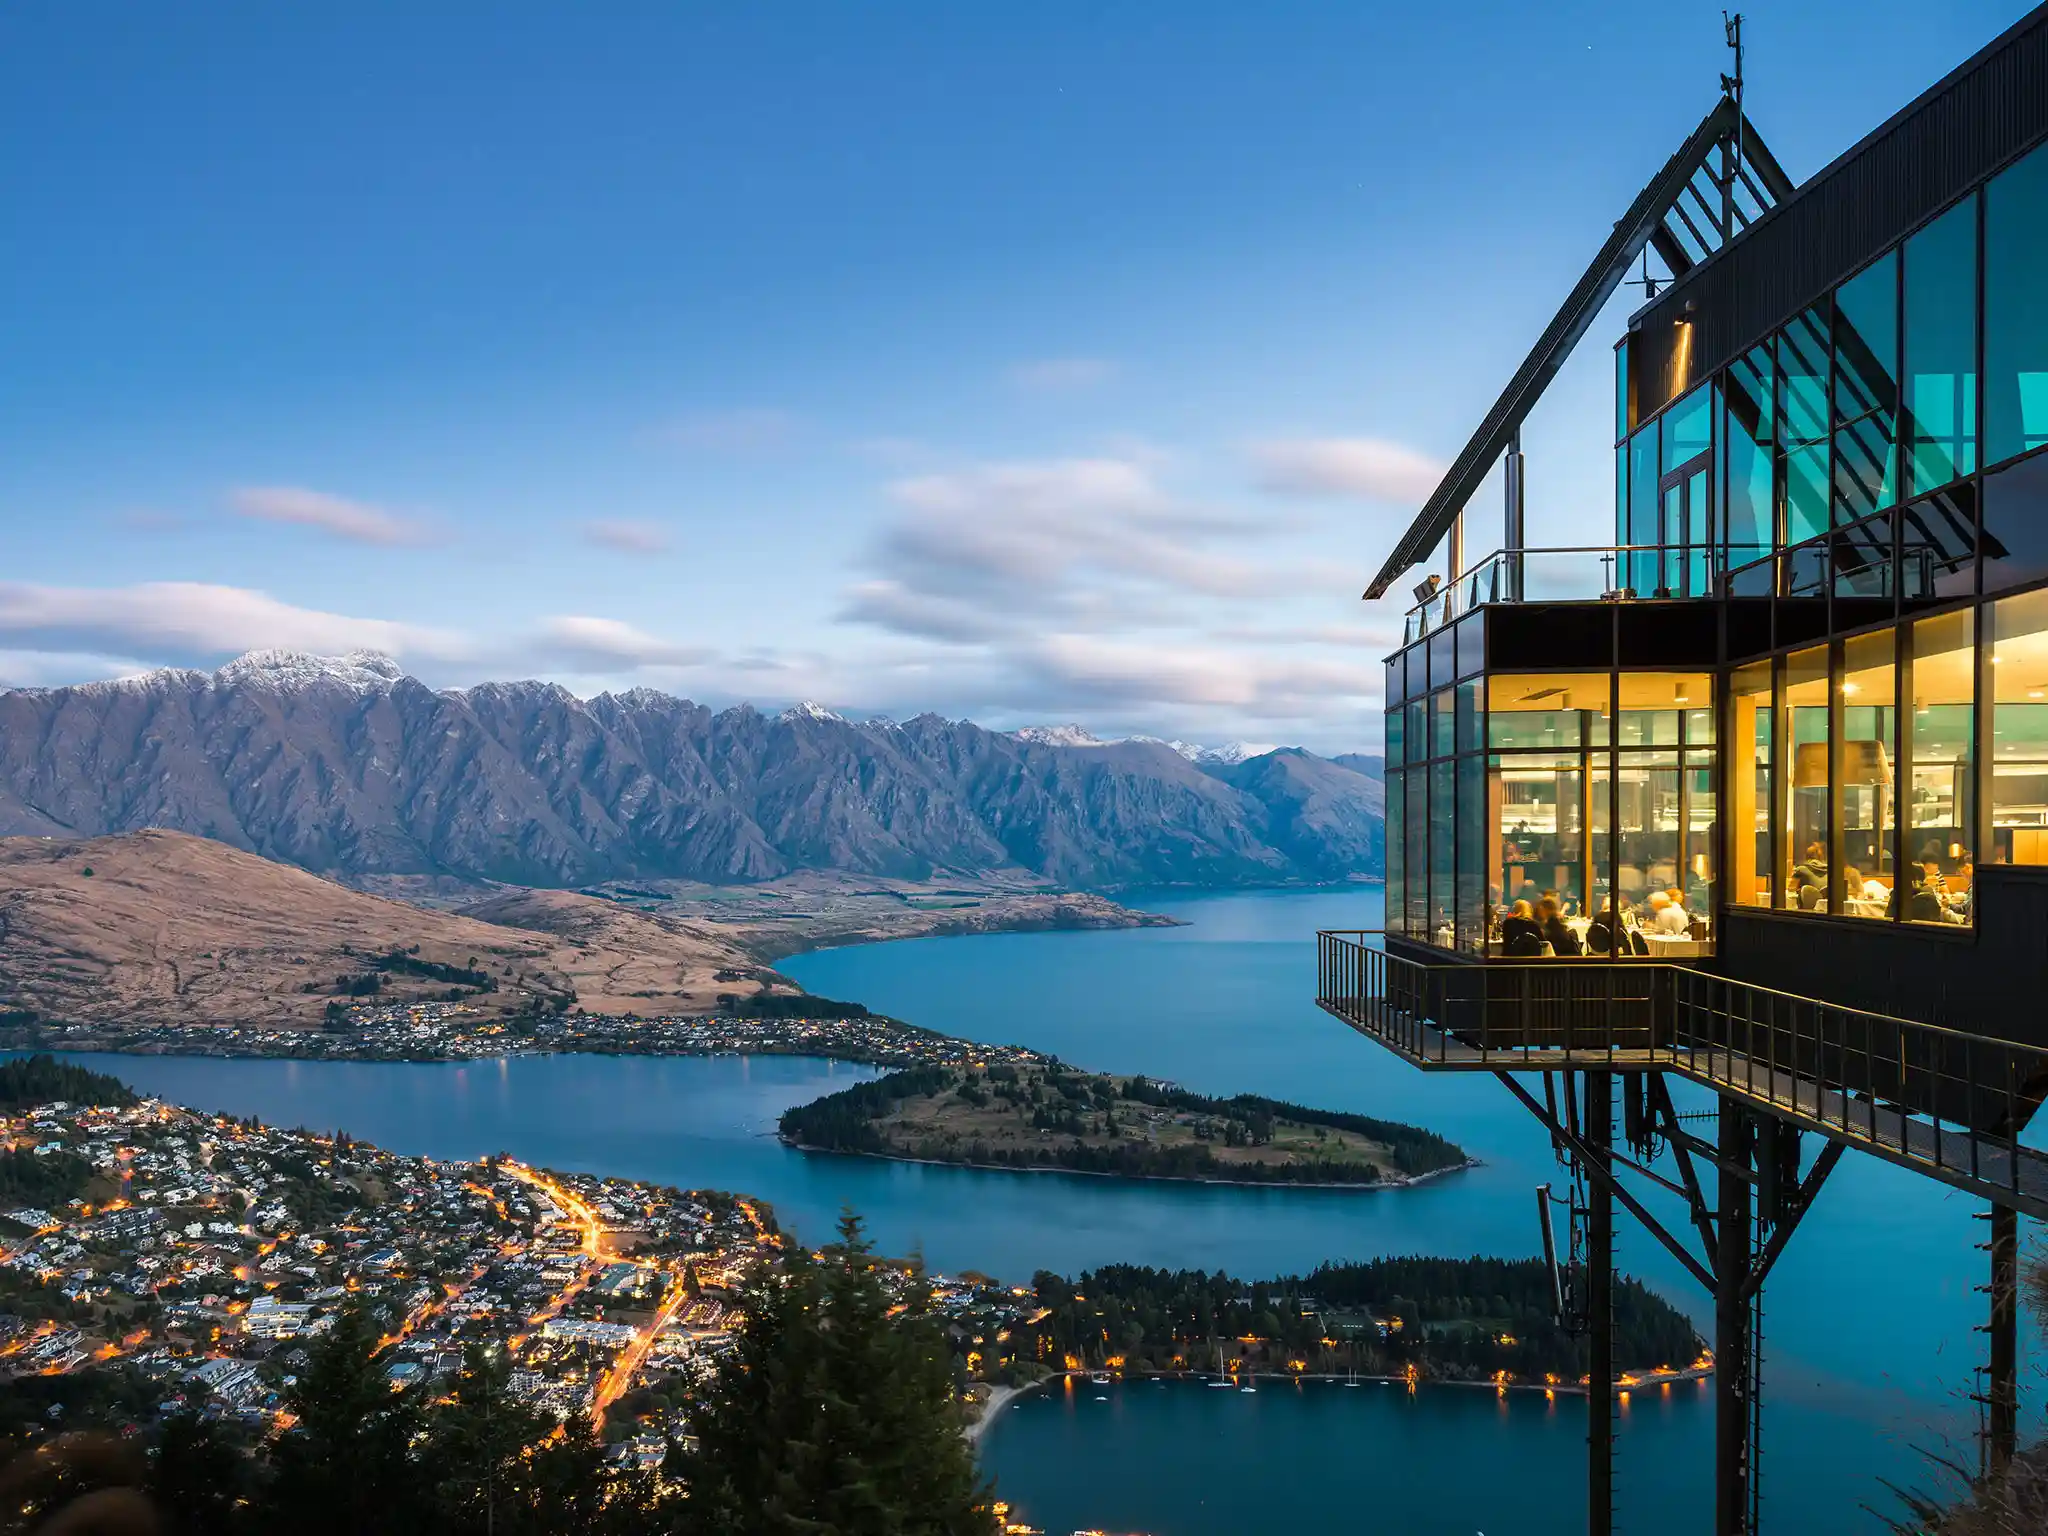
1511,533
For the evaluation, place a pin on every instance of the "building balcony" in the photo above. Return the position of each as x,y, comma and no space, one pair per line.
1942,1101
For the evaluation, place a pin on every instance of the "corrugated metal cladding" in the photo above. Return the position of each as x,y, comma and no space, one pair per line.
1960,133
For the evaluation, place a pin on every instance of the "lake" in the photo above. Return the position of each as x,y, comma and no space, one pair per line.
1869,1349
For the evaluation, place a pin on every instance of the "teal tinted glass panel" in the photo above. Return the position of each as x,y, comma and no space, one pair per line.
1867,340
1621,494
1806,492
1471,724
1397,826
1621,392
2016,309
1939,427
1746,474
1442,740
1472,847
1642,507
1418,730
1803,380
1863,468
1395,737
1416,891
1688,428
1442,844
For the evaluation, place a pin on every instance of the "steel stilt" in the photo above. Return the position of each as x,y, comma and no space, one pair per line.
2002,1421
1732,1416
1599,1139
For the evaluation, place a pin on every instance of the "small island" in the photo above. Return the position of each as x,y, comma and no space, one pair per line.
1037,1115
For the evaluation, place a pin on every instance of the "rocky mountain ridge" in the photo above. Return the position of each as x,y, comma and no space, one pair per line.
348,767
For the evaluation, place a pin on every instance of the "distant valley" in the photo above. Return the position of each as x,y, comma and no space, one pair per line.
351,769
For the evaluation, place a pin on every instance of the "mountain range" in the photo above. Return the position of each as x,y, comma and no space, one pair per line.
348,767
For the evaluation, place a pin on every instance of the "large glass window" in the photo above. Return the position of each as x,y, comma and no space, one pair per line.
1546,709
1866,348
1864,808
1940,783
1940,424
1621,391
2016,524
1442,724
1416,889
1803,840
1644,514
1397,830
1537,804
1803,426
2019,729
1746,473
1474,907
2016,309
1749,787
1442,840
1471,721
1395,737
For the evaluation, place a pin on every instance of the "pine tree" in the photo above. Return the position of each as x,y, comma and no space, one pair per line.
832,1417
345,1468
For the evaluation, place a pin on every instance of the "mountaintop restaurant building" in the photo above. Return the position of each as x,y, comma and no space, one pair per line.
1756,797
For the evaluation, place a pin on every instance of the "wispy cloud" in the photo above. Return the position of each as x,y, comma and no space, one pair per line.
628,537
356,521
589,644
186,621
1368,467
1062,375
749,431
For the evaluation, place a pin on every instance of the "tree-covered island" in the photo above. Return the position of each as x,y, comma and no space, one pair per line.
1043,1115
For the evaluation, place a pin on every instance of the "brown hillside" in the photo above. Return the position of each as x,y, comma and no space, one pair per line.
175,929
623,961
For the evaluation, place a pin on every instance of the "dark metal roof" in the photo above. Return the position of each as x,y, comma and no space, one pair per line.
1659,215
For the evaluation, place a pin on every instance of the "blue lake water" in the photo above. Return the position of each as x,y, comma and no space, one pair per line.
1869,1348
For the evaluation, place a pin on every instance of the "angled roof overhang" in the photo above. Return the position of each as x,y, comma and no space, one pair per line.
1679,216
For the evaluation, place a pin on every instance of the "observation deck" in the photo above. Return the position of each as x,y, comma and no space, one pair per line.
1941,1101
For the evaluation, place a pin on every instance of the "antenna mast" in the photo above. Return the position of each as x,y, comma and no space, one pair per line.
1731,162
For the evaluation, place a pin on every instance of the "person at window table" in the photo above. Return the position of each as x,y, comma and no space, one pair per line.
1667,917
1521,936
1810,877
1961,903
1606,930
1550,918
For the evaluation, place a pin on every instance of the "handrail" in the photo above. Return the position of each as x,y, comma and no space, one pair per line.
1505,567
1934,1097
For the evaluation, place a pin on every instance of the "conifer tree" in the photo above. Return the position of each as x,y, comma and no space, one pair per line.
346,1468
833,1417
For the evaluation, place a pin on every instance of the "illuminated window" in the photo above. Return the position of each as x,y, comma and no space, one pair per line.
1803,842
2019,729
1864,792
1940,792
1749,787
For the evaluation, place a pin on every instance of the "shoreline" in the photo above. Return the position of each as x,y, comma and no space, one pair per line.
1394,1182
1002,1397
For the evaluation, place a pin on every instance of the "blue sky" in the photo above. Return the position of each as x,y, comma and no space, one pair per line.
1048,362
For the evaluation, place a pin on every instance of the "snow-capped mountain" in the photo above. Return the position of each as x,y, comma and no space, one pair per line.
347,766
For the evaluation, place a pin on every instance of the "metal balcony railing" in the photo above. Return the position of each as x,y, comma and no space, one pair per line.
1943,1101
1611,572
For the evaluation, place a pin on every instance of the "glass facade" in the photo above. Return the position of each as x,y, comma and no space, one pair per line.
1877,465
1887,393
2016,309
1586,823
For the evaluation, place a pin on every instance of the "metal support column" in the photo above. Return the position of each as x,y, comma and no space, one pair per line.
1599,1141
2002,1421
1512,526
1732,1417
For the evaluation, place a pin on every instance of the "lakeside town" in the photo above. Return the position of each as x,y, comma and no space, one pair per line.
197,1255
461,1031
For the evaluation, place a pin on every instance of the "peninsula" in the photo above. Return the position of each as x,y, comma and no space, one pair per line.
1039,1115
